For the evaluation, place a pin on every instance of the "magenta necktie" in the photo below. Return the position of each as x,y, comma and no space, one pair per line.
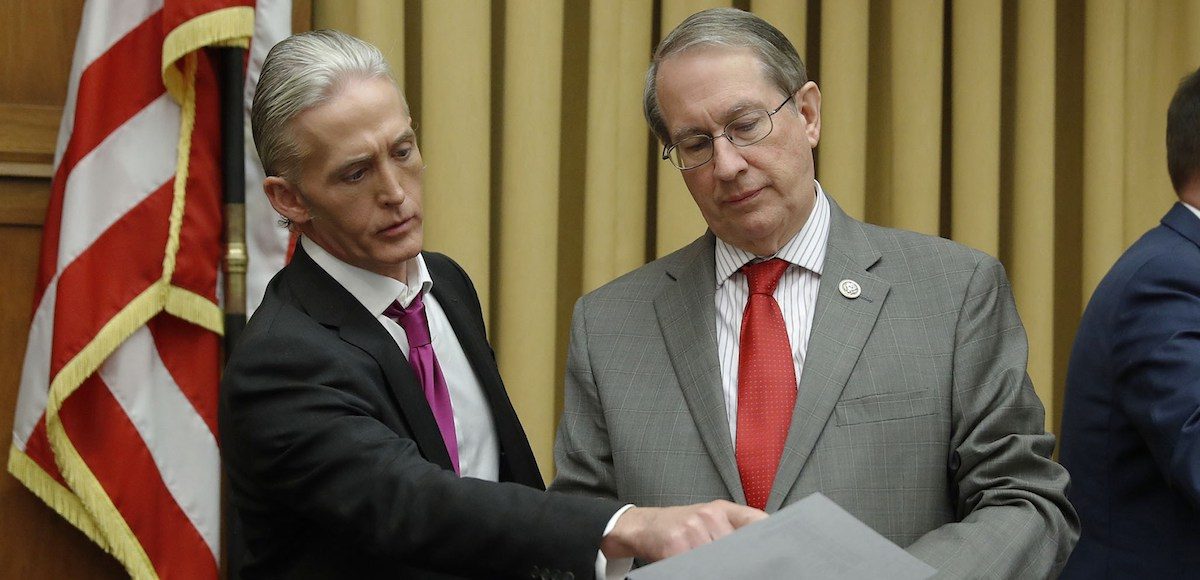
429,372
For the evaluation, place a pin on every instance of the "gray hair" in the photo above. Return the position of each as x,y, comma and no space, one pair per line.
725,27
299,73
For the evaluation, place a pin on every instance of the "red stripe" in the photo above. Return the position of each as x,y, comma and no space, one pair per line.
123,465
200,245
124,261
192,355
48,262
112,89
38,449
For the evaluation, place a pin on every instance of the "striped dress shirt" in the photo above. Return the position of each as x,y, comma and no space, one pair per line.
796,294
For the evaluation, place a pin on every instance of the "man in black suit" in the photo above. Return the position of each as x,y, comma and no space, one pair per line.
364,426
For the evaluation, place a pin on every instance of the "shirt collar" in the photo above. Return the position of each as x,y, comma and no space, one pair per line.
376,292
1194,209
806,249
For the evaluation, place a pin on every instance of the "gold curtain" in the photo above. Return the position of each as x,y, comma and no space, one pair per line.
1030,129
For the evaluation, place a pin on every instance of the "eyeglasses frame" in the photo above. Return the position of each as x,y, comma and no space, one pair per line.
666,155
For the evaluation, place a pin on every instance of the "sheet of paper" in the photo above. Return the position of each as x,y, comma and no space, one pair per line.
812,538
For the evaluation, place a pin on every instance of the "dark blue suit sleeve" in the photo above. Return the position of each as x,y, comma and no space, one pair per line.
1157,358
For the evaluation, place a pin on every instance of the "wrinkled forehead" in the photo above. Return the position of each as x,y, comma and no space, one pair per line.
708,85
360,113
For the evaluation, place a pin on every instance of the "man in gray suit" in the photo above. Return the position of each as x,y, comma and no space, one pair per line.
792,349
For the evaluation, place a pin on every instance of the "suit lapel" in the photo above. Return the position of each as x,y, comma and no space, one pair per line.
687,317
840,329
333,306
451,291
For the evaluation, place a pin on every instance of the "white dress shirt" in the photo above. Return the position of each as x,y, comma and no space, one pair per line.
796,294
478,448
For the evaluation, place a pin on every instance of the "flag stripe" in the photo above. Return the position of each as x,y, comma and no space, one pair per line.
184,351
136,160
118,267
200,238
35,372
125,469
178,439
113,88
103,26
107,103
38,449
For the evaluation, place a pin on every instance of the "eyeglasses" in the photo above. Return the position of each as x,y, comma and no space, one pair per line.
747,129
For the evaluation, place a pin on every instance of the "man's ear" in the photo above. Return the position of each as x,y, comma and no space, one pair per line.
809,100
286,199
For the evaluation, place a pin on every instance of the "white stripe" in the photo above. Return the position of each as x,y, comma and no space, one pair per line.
183,448
35,372
104,22
266,242
130,164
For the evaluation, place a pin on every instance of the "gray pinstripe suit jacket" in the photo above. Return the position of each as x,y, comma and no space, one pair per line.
914,410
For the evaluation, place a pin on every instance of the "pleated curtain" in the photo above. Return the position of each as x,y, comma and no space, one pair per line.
1030,129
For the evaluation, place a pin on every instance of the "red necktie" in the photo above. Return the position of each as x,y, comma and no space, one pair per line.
766,383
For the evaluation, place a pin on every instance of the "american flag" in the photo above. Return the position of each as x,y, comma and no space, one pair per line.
116,425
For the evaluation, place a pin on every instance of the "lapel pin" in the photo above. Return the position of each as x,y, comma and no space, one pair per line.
849,288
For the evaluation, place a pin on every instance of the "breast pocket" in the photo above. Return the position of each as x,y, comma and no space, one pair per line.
885,407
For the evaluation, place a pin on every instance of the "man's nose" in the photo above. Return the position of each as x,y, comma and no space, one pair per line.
727,160
392,185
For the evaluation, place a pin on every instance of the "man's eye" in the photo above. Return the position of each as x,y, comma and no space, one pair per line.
403,152
745,126
695,146
355,175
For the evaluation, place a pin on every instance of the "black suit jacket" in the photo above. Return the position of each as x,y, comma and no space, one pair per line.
335,463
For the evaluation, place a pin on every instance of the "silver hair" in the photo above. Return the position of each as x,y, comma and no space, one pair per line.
725,27
299,73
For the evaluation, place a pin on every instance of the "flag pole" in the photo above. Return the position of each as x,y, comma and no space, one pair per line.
230,62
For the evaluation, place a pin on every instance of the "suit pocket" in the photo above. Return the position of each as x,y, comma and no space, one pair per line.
885,407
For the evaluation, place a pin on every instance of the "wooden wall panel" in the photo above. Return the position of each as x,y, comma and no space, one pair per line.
29,133
37,39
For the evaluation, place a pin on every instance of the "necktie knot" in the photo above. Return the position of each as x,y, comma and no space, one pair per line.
763,277
412,319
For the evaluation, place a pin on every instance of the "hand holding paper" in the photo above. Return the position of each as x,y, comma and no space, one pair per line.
651,534
812,538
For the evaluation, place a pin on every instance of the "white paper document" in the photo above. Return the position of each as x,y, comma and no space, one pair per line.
812,538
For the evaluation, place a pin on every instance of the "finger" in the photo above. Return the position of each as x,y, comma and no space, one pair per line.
742,516
720,526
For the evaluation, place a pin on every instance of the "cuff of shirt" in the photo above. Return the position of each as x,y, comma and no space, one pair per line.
618,568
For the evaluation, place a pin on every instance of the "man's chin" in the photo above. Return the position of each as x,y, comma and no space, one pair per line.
755,237
404,252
